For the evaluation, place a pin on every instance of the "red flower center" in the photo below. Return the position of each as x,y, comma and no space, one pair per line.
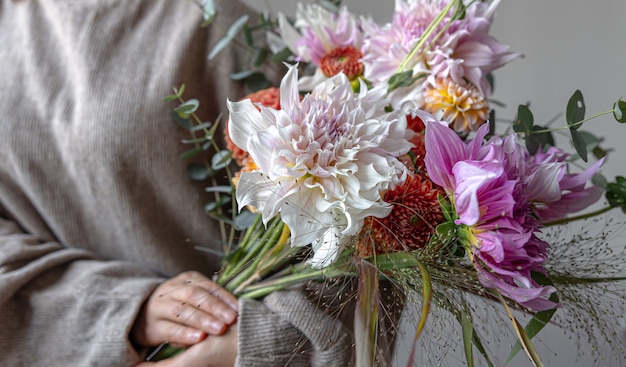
346,59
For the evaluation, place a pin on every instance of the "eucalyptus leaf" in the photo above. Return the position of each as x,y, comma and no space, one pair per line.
220,217
228,38
242,75
579,143
544,136
187,108
245,219
214,205
219,46
193,141
183,122
222,189
575,111
524,121
198,172
247,35
209,10
616,193
181,90
202,126
282,55
237,26
532,144
221,159
619,111
261,55
600,181
256,82
191,153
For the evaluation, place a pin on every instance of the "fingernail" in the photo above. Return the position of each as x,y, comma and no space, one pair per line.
229,315
196,336
216,326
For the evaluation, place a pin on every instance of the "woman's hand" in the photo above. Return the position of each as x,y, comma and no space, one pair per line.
183,311
214,351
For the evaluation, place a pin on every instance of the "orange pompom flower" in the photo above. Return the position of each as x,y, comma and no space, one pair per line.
413,219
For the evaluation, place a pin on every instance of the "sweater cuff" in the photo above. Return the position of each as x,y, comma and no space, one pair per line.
287,329
265,339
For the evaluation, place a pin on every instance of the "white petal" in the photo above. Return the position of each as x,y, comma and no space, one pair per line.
244,120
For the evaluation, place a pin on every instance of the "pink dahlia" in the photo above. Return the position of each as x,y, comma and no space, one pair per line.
463,53
331,41
495,189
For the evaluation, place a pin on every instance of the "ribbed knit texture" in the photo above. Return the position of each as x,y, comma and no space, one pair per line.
95,205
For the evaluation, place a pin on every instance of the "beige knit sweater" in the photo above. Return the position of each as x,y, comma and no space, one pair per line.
95,205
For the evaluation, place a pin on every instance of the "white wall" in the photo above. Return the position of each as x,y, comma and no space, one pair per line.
568,45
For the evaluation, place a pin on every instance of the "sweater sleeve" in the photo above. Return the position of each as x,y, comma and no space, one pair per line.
48,291
312,325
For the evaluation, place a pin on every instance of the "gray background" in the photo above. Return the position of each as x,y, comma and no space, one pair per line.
568,45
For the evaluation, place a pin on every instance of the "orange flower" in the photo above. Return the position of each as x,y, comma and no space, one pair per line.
410,224
346,59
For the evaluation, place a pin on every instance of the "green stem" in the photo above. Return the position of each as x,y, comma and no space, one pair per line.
424,37
268,240
233,266
300,273
572,125
578,217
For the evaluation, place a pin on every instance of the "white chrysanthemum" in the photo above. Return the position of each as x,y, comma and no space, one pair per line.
323,160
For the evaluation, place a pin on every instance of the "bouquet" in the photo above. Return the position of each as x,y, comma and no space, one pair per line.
378,157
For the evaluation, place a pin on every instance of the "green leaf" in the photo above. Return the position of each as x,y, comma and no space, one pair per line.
366,314
427,295
181,90
579,143
522,337
261,55
544,137
214,205
222,189
242,75
256,82
183,122
245,219
403,79
600,181
247,35
230,35
539,320
532,144
575,111
209,10
221,159
187,108
202,126
198,172
525,120
619,111
467,327
191,153
171,97
616,193
281,56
